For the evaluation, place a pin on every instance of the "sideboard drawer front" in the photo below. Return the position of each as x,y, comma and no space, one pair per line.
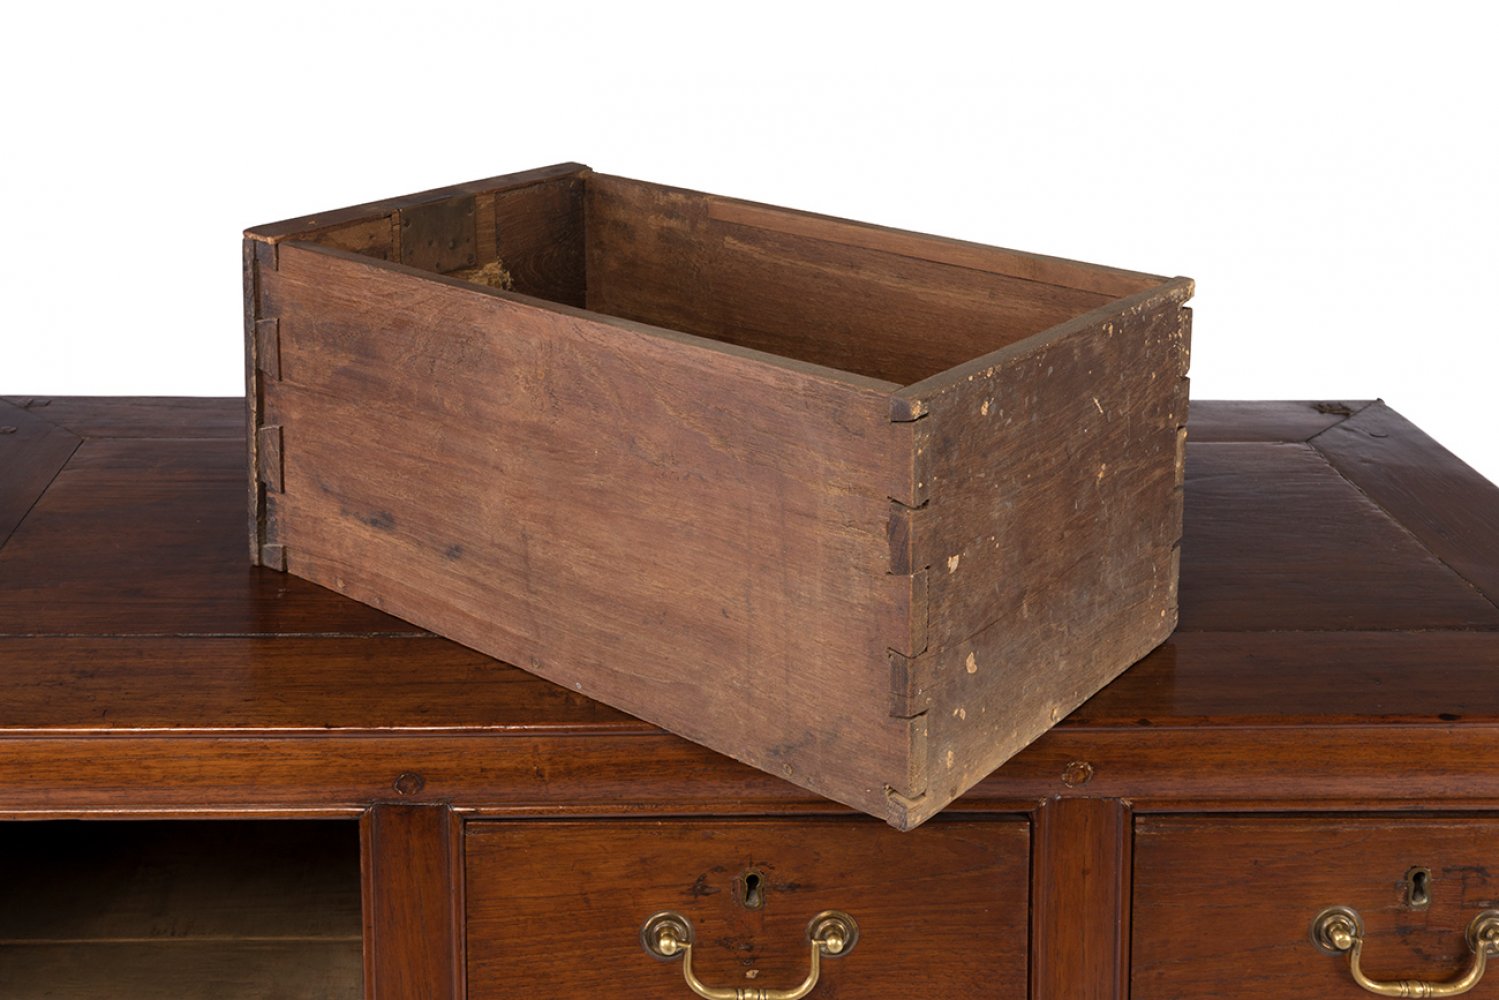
555,909
1224,907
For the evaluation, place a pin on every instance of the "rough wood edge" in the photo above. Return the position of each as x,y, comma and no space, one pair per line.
688,340
308,225
1033,267
914,397
258,257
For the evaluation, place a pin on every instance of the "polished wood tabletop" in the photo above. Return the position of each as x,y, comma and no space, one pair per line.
1339,641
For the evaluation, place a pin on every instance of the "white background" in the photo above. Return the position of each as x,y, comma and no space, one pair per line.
1328,176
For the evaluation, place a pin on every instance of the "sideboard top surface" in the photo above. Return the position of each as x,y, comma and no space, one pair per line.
1340,579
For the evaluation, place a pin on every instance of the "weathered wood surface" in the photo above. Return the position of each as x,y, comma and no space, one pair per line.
1052,475
692,534
313,226
190,685
568,485
539,239
109,577
678,259
942,911
1109,282
1224,906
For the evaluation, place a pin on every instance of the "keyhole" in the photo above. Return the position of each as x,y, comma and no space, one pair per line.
1418,888
754,890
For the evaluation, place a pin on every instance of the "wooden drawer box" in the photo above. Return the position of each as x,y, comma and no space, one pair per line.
1225,907
865,509
555,909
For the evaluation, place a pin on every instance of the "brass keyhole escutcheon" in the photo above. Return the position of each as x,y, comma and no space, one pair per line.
752,890
1418,888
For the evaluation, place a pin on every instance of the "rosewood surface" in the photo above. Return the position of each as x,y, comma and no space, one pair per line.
1334,666
128,619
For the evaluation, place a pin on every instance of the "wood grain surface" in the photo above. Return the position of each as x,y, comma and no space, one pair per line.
751,546
145,536
1080,884
1280,540
1052,474
675,414
1266,420
130,616
413,903
1224,906
555,909
677,259
32,452
1448,507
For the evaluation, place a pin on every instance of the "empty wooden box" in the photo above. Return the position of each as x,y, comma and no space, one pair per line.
863,508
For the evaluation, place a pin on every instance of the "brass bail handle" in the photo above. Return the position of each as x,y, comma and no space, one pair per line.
1339,929
668,934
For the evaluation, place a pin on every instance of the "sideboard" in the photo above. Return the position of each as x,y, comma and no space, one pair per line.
290,794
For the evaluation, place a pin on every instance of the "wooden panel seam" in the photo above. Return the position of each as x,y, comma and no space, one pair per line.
1339,464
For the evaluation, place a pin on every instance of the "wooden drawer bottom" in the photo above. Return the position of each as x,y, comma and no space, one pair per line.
555,909
1224,907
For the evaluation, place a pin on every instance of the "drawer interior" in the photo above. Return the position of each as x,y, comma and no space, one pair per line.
1224,906
189,910
894,306
555,909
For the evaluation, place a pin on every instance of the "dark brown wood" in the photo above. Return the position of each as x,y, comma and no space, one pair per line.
1451,509
1280,540
314,226
170,881
137,541
1018,635
752,533
138,416
1224,906
149,673
1080,884
539,233
677,259
32,453
1263,420
141,536
1305,679
941,911
413,877
194,910
1110,282
563,487
183,970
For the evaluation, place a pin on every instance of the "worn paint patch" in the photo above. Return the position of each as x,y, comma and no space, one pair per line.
972,664
952,561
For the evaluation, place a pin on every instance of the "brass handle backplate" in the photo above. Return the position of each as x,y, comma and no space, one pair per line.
668,935
1339,930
